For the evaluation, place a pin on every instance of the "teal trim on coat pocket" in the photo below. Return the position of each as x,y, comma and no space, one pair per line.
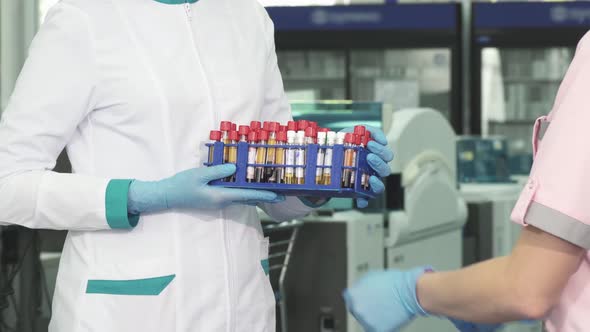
146,287
265,266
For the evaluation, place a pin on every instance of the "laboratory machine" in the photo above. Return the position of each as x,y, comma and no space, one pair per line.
333,250
521,52
483,160
426,212
401,55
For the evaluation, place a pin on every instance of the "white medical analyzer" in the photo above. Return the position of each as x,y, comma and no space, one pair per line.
426,210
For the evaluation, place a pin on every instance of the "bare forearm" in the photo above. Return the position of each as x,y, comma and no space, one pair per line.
524,285
480,293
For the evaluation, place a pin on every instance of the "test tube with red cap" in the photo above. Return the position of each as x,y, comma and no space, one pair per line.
292,126
234,127
327,173
255,125
272,128
321,141
282,128
365,177
302,125
280,156
349,142
234,137
252,140
214,136
360,130
259,175
225,129
300,157
244,131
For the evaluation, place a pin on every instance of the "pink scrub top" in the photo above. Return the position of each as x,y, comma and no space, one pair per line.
556,198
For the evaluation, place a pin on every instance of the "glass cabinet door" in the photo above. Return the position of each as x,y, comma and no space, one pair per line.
313,75
403,78
518,86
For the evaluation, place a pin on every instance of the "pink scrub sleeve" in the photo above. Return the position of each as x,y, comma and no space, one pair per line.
556,198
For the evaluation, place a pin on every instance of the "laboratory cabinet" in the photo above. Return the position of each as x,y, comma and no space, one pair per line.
521,52
403,56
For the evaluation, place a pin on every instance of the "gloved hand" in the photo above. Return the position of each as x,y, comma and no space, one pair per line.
386,301
190,190
378,159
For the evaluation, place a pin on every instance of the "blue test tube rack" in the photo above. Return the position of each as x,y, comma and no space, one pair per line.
309,188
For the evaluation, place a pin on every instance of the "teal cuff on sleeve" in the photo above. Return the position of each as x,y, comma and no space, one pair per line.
116,205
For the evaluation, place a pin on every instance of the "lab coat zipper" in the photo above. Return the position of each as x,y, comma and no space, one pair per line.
189,11
227,246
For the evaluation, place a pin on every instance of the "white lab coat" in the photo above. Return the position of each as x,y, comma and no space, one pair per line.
132,88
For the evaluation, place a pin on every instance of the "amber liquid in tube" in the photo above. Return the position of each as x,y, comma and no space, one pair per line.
327,171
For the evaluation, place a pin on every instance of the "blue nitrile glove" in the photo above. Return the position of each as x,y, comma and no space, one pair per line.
385,301
190,190
378,159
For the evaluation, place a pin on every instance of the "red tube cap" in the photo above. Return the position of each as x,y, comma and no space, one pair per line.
282,136
266,125
292,126
252,137
273,127
302,124
358,139
225,126
244,130
234,135
215,135
313,124
263,135
282,128
311,132
234,126
255,125
349,138
323,130
365,140
360,130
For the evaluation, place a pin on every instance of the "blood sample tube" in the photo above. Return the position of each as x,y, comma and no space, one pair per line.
273,127
282,128
255,126
261,156
310,135
356,144
290,158
292,126
365,177
321,155
225,129
214,136
234,127
302,125
280,156
327,173
234,136
252,139
313,124
349,141
300,157
360,130
244,131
